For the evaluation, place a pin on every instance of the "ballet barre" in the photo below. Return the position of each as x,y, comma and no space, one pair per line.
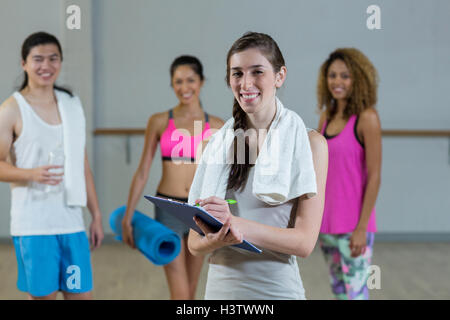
388,132
128,132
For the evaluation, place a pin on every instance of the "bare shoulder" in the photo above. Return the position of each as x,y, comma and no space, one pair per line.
216,122
369,118
316,138
158,121
369,115
9,109
159,116
318,142
9,104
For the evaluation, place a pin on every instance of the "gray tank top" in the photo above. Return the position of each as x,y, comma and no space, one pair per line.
236,274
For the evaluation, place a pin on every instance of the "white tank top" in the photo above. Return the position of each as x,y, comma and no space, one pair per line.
237,274
34,210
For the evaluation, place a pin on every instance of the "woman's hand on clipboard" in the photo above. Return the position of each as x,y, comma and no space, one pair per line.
228,234
217,207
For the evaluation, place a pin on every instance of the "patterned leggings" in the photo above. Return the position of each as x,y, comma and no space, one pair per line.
348,275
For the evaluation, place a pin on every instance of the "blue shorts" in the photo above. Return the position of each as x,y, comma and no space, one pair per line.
48,263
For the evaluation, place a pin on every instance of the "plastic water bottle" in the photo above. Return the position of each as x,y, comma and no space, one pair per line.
56,157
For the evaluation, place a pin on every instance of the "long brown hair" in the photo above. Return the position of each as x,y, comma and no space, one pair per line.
364,83
269,48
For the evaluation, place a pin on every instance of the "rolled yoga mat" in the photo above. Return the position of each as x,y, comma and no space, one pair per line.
155,241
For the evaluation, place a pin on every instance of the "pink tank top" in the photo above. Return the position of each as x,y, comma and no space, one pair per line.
177,146
346,181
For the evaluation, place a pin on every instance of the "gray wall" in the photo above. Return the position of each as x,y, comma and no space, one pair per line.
133,44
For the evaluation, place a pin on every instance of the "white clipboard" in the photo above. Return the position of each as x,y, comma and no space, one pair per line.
186,212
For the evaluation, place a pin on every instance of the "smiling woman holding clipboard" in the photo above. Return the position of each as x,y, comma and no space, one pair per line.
279,189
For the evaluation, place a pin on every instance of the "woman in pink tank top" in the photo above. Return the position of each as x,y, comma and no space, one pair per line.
347,94
180,133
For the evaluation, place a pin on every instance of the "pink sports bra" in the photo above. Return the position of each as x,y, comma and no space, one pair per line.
177,146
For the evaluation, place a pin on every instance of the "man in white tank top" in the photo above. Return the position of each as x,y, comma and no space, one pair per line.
49,235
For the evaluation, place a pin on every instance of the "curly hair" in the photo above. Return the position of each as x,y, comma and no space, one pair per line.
364,77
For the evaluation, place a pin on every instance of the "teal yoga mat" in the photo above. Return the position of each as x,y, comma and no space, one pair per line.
155,241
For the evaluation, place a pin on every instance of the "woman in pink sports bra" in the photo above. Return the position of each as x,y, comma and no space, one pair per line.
179,132
347,94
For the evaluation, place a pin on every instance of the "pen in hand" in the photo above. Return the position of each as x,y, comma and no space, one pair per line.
230,201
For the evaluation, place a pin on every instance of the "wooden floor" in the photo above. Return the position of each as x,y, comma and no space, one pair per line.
408,271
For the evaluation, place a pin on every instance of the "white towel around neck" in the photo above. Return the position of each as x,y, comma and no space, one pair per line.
74,135
284,168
